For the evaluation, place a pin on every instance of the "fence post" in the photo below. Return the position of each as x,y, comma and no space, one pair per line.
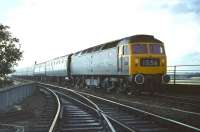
174,74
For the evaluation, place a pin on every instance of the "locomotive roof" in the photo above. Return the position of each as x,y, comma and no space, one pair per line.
143,38
132,39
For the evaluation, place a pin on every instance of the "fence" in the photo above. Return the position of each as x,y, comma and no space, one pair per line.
13,95
184,74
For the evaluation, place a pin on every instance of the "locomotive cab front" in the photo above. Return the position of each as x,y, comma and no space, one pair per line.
147,62
147,58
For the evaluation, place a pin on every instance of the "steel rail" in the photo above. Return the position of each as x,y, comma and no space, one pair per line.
116,122
145,112
53,124
95,107
119,123
174,122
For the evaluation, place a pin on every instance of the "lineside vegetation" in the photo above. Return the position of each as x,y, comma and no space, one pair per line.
10,53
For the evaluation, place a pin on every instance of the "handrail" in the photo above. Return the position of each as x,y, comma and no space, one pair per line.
14,86
181,65
182,74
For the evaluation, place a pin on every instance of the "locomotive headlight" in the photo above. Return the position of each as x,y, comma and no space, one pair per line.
139,79
163,61
165,78
136,61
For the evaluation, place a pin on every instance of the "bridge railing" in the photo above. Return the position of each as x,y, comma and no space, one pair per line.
14,95
184,74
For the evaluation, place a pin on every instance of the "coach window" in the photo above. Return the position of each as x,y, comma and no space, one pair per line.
125,52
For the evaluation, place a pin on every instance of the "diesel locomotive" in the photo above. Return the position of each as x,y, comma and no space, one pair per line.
132,64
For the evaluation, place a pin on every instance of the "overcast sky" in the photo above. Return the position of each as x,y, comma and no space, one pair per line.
51,28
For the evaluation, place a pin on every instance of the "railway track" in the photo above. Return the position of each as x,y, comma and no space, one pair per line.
133,119
136,119
46,121
20,120
191,101
76,119
76,115
178,103
178,109
11,128
186,105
